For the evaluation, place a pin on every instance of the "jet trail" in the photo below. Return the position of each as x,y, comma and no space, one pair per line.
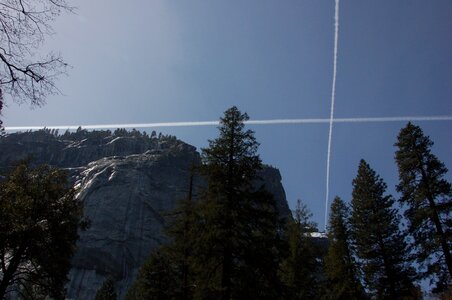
333,96
250,122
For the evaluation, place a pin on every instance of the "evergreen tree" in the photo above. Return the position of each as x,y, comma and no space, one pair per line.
225,244
107,290
340,266
236,246
379,243
428,198
300,269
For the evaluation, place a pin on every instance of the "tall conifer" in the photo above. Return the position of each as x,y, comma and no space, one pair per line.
428,197
236,246
340,265
380,246
225,244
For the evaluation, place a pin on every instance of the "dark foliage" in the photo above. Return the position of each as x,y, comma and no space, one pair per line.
39,219
225,244
427,195
107,290
340,265
380,246
301,268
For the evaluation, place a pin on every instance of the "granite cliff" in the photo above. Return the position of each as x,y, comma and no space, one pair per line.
127,182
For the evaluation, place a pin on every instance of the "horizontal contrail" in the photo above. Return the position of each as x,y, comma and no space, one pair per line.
249,122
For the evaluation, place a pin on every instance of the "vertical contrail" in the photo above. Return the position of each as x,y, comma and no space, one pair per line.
333,96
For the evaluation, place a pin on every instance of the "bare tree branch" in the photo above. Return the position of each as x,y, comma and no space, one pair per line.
24,25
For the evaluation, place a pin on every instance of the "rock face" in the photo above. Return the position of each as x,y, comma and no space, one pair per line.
125,199
127,182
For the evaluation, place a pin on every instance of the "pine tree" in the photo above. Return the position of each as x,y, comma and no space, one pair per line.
225,244
380,246
340,266
300,268
236,248
428,198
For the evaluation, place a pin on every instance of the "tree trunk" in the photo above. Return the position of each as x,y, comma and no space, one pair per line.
227,255
388,268
226,276
185,267
439,228
8,276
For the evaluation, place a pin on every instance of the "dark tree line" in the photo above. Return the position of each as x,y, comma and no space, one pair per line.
227,240
229,243
368,246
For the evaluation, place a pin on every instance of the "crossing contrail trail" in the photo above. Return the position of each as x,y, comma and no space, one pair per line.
333,96
250,122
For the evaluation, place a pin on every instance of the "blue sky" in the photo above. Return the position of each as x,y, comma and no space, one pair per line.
166,61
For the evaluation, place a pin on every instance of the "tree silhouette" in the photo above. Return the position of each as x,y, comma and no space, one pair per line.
341,267
428,197
236,246
380,245
39,219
